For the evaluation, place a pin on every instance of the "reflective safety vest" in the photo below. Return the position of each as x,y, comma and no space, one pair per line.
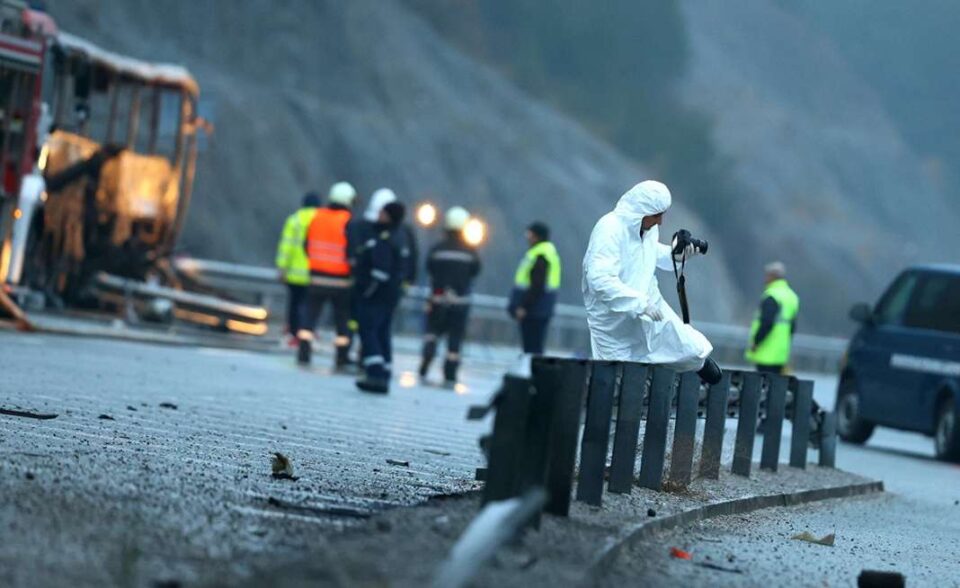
291,258
549,252
327,242
775,348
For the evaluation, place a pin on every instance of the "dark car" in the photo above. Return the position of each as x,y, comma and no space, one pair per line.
902,368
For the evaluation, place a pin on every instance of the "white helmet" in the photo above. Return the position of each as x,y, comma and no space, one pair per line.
342,193
378,200
456,218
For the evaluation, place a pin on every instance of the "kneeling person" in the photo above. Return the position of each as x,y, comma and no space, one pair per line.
628,318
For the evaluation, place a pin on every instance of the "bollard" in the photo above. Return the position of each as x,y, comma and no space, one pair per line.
509,433
596,431
747,424
685,429
773,427
802,401
564,431
632,391
828,440
655,437
714,428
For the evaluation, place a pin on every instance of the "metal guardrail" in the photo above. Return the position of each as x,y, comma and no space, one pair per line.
490,323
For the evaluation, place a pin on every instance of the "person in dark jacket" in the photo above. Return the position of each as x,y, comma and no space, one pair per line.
452,265
536,282
381,267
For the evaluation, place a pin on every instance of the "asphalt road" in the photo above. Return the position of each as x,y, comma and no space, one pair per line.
913,529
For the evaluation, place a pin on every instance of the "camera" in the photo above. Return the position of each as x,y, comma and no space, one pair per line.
683,238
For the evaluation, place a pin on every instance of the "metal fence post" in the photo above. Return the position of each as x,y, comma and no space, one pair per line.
828,440
747,423
714,428
564,433
773,427
596,432
632,391
655,436
509,432
685,429
802,401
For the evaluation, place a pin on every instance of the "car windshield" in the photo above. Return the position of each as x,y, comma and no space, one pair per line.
935,304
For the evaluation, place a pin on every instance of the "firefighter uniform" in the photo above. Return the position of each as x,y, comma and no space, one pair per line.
452,265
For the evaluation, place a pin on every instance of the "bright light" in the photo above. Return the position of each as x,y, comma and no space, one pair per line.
461,389
427,214
475,232
408,380
44,156
17,213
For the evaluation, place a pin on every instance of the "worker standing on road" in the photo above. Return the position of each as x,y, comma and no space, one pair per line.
292,263
775,323
629,319
380,269
536,282
326,248
452,265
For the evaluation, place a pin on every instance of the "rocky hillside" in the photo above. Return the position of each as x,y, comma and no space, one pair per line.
318,91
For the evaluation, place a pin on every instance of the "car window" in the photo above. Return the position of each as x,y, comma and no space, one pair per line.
890,309
936,304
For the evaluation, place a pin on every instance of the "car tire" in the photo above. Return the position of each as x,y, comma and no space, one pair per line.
851,427
946,433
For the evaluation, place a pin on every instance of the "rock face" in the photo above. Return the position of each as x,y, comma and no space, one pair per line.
320,91
829,185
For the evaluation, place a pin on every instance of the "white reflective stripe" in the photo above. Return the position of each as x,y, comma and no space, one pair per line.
380,275
330,281
305,335
370,243
373,360
452,256
925,364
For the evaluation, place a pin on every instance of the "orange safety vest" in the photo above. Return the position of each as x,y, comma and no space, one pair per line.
327,242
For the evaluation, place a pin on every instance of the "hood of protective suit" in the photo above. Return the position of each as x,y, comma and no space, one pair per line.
645,199
380,198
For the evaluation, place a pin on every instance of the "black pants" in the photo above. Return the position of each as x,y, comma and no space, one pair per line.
295,299
375,319
770,369
533,333
339,298
450,321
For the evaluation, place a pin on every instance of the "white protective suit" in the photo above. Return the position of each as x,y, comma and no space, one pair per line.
619,285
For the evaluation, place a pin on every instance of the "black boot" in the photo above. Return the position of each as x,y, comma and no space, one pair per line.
710,372
304,351
450,368
429,352
342,361
376,380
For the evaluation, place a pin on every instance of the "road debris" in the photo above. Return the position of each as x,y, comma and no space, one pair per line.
437,452
282,467
169,405
651,512
26,414
397,462
718,567
309,510
131,408
29,475
879,579
106,417
827,540
677,553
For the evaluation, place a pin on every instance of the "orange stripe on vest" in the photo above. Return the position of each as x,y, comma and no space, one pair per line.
327,242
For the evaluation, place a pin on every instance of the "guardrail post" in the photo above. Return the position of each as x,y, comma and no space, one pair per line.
685,429
633,389
802,401
773,427
509,434
714,428
655,436
596,432
569,379
828,440
747,423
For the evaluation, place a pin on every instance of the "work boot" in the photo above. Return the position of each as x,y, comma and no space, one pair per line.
304,351
450,368
374,385
429,352
710,372
342,361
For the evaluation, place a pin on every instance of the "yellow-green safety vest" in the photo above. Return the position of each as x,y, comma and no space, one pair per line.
775,348
291,255
549,252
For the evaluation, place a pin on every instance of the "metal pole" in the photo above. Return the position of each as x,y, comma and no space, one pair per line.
828,440
632,391
685,429
747,423
714,428
655,436
565,432
773,429
802,401
596,432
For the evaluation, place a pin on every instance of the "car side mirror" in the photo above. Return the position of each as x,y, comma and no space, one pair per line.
862,313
